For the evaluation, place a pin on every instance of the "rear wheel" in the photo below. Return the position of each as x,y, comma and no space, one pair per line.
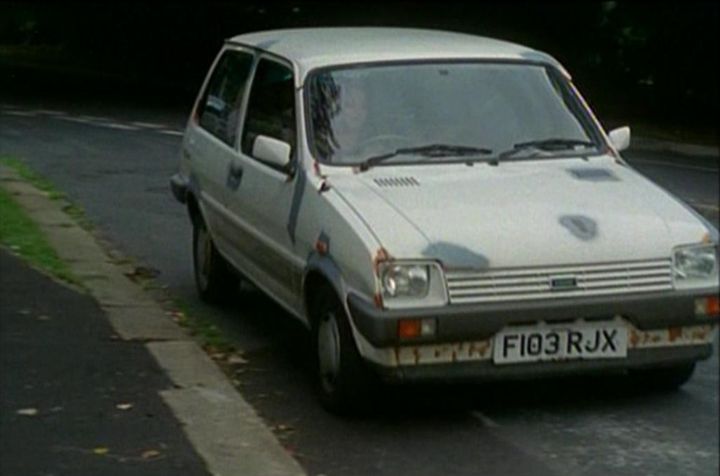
214,278
663,378
344,380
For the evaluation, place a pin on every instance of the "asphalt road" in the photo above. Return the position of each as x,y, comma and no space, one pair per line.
116,163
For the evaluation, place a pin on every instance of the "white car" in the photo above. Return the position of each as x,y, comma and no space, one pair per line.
436,205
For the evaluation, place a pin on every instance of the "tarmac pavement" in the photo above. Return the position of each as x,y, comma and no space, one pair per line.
76,399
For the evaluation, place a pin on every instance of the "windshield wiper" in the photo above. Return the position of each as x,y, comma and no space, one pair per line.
546,144
430,150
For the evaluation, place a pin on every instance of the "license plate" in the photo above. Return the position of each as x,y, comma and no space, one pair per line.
567,342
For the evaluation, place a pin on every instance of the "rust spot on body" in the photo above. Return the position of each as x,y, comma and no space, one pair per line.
700,334
416,353
634,338
381,255
674,333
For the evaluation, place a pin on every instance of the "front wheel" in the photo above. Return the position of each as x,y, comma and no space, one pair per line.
214,278
344,380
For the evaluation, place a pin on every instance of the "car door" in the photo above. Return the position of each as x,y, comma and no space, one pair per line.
261,205
210,142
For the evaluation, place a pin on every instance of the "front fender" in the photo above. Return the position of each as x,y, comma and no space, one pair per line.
326,267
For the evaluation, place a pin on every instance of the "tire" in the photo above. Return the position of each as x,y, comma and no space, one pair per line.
663,378
214,278
345,382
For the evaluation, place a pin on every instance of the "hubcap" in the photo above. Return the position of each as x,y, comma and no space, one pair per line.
329,350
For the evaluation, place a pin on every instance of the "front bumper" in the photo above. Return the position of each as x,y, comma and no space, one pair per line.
486,370
476,322
662,330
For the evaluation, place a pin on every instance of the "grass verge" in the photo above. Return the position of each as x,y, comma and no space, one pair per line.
23,237
41,183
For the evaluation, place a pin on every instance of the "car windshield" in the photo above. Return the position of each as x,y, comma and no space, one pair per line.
395,112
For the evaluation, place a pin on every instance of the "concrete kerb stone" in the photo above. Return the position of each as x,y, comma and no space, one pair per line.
229,432
143,323
188,366
221,425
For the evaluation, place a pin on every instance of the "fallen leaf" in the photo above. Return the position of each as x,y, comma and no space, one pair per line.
235,359
124,406
27,411
150,454
100,450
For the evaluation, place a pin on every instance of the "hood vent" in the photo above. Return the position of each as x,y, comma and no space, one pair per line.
396,182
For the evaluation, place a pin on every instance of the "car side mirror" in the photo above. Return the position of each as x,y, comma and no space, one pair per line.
271,151
620,138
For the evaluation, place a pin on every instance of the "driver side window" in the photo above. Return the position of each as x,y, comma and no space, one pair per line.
271,107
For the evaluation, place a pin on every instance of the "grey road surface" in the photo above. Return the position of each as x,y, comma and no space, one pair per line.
116,165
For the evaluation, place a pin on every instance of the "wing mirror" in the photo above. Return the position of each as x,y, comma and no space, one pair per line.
620,138
272,151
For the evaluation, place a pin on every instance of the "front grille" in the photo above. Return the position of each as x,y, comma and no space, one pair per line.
514,284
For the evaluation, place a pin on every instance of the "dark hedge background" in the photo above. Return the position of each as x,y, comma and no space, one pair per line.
643,61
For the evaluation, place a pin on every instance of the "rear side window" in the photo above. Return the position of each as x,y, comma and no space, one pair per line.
271,107
219,108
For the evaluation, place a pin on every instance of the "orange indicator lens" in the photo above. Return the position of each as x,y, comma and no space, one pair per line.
707,307
712,306
409,328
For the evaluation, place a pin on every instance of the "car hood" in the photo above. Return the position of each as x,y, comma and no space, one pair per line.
524,213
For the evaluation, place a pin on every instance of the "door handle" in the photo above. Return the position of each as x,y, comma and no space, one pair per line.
235,173
236,170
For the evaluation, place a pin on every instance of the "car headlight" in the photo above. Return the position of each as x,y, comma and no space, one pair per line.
411,284
695,266
405,280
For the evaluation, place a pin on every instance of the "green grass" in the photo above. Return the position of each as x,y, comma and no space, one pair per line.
41,183
30,176
22,236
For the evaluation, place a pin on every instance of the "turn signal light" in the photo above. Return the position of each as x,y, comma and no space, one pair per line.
414,328
707,307
408,328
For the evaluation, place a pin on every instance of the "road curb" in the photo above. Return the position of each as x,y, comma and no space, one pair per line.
224,429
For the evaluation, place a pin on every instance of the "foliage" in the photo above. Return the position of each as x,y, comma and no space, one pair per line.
641,59
22,236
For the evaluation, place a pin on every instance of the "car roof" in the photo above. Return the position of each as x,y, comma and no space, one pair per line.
310,48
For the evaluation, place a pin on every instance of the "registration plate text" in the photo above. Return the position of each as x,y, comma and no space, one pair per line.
577,341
